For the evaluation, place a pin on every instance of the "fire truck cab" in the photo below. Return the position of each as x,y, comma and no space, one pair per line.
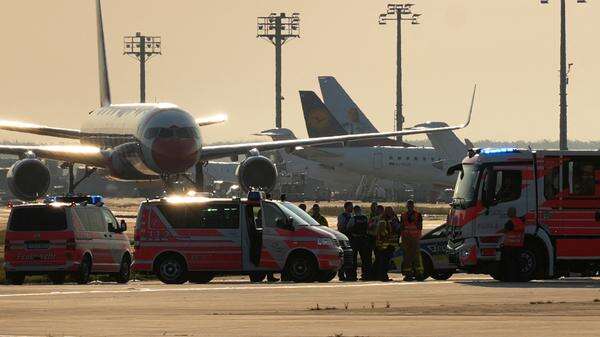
556,194
196,238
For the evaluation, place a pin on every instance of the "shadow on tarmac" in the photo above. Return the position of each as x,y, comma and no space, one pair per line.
560,283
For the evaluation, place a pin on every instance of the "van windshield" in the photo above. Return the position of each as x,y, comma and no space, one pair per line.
42,218
300,216
466,183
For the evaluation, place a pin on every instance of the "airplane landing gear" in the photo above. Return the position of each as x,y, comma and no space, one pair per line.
72,183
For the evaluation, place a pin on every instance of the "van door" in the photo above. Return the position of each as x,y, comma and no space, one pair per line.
207,234
252,236
96,239
275,248
116,247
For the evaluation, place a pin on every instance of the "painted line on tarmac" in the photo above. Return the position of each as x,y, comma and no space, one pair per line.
257,287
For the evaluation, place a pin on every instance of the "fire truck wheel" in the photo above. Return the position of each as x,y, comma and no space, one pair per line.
57,278
256,277
15,278
301,267
124,274
201,277
325,276
82,276
171,269
528,263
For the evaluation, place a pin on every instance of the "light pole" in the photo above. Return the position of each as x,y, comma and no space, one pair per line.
142,48
399,13
564,80
277,29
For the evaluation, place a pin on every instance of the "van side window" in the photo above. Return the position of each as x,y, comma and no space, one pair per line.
271,214
91,218
579,176
201,215
109,218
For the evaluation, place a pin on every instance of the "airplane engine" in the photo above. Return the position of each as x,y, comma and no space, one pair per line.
28,179
257,173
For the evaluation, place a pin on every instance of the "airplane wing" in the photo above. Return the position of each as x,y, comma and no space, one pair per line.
43,130
211,120
220,151
88,155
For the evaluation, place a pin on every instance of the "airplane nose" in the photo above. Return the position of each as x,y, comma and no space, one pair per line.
174,155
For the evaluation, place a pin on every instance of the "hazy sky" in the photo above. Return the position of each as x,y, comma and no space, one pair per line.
212,62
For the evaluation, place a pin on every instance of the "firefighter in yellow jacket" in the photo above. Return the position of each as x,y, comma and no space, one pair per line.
386,242
411,225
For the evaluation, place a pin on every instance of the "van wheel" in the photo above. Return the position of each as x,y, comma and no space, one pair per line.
124,274
301,268
201,277
256,277
15,278
57,278
442,276
325,276
528,264
171,269
82,276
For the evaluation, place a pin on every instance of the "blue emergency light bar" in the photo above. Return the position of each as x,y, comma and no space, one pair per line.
499,150
89,199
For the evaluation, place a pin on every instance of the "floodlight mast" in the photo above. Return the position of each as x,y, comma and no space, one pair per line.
277,29
142,48
399,13
564,79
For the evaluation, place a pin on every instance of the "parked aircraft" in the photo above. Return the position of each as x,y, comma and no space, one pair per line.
146,141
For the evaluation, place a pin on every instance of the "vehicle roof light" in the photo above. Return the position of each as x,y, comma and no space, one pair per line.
499,150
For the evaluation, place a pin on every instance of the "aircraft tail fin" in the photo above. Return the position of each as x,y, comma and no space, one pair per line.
319,120
343,108
102,64
446,142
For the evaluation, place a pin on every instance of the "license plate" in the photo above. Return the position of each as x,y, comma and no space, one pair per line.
38,245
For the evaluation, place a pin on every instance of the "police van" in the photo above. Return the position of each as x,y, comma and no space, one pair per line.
193,239
63,236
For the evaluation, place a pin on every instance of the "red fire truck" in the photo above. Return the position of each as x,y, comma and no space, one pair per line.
195,238
556,193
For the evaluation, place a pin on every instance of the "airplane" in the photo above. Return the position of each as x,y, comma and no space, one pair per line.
409,165
146,141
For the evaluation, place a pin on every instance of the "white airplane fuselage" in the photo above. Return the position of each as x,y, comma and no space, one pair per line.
410,165
150,139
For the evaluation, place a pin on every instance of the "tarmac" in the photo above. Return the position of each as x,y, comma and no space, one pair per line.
466,305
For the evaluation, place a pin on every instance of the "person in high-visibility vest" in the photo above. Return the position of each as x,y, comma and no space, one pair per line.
411,225
386,242
316,214
514,239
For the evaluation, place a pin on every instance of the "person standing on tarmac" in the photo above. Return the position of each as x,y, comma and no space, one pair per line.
386,242
514,239
316,214
302,207
374,219
411,227
360,242
342,226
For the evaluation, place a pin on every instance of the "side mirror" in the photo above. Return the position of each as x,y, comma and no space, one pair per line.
123,226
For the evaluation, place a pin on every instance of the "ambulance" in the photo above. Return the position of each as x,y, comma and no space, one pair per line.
63,236
180,238
556,194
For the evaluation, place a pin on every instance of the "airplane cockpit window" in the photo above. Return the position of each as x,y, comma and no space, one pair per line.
185,133
165,133
151,133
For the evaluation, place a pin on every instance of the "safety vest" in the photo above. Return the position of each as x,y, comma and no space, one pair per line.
386,235
412,225
516,236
